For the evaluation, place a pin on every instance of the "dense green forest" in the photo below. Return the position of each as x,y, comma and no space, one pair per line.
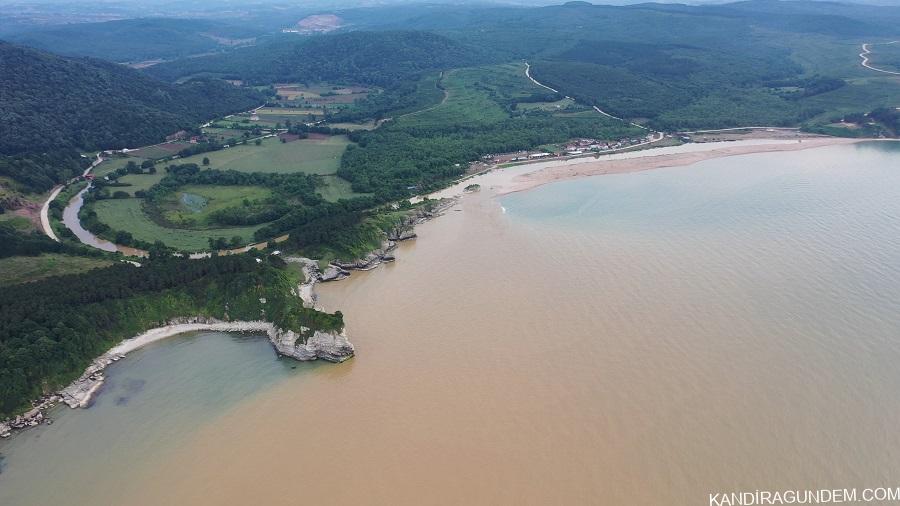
15,243
369,58
397,156
135,40
50,331
52,107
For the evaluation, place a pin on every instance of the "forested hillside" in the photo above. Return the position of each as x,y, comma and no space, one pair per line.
373,58
670,66
51,106
49,332
134,40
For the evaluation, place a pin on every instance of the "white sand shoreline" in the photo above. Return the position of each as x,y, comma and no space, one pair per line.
330,346
80,392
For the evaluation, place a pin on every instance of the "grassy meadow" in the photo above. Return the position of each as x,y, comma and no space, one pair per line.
139,182
885,56
192,205
110,165
128,215
22,269
312,156
336,188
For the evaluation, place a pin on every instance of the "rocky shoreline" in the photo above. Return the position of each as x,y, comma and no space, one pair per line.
404,231
328,346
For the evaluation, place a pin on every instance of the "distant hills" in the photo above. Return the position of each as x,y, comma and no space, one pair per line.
365,57
135,40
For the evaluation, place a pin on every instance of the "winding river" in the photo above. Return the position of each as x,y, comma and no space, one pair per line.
71,221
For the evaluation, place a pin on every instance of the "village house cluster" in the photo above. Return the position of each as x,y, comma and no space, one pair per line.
574,147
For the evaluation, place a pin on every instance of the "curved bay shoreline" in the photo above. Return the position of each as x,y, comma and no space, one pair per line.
329,346
336,347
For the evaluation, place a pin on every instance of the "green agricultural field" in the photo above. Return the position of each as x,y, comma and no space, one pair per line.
366,125
110,165
23,269
312,156
271,116
192,205
321,94
223,134
128,215
160,150
337,188
139,181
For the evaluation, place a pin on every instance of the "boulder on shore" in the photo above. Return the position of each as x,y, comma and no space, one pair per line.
333,273
402,234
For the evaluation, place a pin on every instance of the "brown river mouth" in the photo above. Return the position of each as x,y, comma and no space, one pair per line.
646,339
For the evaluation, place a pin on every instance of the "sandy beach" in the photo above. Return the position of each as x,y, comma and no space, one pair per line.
81,391
160,333
518,178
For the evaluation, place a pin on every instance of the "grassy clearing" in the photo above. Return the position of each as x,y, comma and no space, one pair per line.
337,188
19,222
23,269
474,95
859,95
127,214
192,205
320,95
885,56
139,182
286,111
311,156
368,125
820,54
160,150
546,106
272,116
110,165
222,135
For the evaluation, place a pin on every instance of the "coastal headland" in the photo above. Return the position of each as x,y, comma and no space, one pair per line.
331,346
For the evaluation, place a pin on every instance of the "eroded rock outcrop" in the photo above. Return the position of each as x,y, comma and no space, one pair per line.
329,346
